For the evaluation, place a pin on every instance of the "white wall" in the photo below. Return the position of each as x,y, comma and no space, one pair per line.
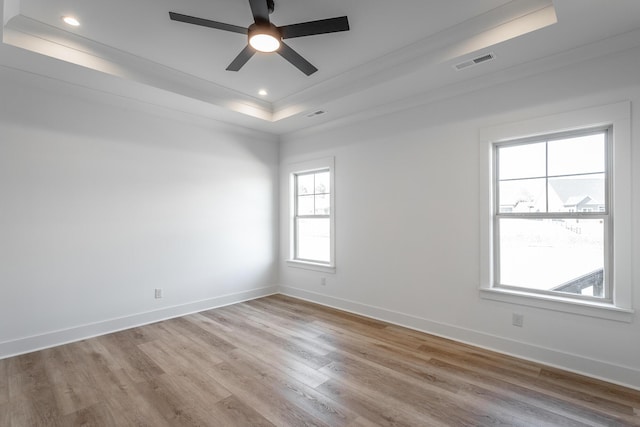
408,227
102,200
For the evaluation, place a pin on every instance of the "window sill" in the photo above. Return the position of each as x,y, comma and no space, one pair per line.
566,305
323,268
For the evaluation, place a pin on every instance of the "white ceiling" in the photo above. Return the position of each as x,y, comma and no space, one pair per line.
395,50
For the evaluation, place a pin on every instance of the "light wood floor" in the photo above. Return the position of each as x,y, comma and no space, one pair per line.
280,361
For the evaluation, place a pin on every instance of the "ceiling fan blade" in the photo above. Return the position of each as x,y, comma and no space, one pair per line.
323,26
260,10
241,59
206,23
296,60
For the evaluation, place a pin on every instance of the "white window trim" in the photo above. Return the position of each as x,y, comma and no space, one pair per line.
573,214
298,168
618,115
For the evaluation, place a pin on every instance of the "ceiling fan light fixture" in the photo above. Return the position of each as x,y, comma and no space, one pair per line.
264,43
264,38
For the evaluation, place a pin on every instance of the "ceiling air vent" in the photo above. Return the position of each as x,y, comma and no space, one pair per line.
475,61
316,113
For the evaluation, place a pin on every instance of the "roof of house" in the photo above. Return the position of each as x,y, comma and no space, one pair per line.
573,191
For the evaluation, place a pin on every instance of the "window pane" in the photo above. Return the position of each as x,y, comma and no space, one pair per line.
323,183
305,184
313,239
522,161
523,196
305,205
577,194
585,154
562,255
322,204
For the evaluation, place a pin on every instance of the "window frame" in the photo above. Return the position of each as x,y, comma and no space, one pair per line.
618,116
291,172
606,216
297,216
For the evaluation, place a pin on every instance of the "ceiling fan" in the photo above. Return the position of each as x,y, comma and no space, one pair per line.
263,36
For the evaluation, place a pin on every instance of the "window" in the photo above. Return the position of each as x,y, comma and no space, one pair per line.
312,227
547,237
312,224
555,212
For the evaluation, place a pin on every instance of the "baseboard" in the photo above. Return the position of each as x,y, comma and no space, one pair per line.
65,336
622,375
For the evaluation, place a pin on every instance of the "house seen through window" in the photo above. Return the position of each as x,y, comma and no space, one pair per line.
552,219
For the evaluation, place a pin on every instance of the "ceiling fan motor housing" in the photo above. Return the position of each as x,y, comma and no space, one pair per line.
264,28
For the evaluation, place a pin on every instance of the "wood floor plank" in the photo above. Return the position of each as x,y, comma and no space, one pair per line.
308,310
26,374
38,409
32,401
611,392
368,334
97,415
5,415
429,401
189,349
311,345
516,408
188,378
476,359
284,327
4,382
131,408
166,397
302,321
306,352
206,335
375,405
362,422
330,314
303,329
280,307
401,362
523,394
96,356
305,397
290,364
232,412
279,361
502,361
101,369
137,364
72,388
572,396
266,401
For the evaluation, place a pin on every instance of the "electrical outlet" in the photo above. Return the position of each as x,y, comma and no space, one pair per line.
323,281
158,293
517,320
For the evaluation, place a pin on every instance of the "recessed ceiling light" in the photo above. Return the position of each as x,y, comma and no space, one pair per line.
70,20
263,92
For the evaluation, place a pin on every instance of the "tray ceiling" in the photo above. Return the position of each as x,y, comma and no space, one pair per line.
394,50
